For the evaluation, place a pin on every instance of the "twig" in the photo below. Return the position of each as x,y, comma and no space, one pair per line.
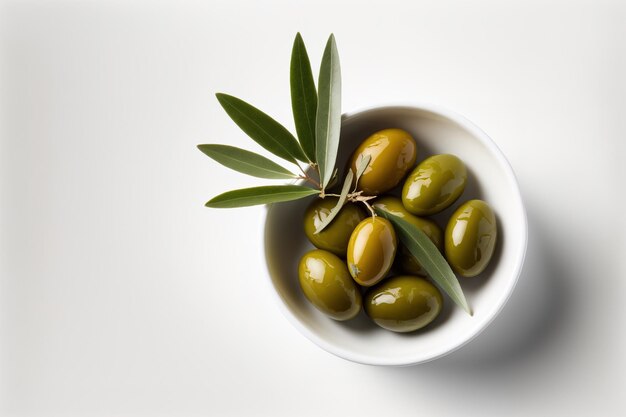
309,179
357,197
306,177
369,207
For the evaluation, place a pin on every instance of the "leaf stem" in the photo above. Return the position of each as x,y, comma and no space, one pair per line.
356,197
369,207
364,200
307,178
301,169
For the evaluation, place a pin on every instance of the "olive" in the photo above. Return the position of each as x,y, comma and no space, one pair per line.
326,283
434,184
404,260
371,250
392,152
403,303
471,238
335,236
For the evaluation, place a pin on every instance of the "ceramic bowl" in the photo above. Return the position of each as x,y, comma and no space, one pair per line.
490,178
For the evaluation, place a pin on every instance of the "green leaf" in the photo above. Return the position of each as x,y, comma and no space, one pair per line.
427,254
333,180
361,165
342,200
303,97
328,119
260,195
246,162
266,131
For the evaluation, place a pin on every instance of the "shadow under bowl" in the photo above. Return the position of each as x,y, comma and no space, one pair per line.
490,178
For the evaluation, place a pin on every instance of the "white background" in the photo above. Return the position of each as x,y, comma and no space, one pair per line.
120,294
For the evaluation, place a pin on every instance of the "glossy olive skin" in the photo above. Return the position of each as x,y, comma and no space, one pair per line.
403,304
335,236
371,250
326,283
393,153
404,260
470,238
434,184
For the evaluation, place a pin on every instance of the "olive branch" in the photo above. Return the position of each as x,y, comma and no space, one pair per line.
313,151
317,117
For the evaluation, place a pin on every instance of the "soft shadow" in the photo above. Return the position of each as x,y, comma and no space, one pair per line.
360,324
534,318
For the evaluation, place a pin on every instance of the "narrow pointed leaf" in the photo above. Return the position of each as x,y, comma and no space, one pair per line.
361,165
246,162
342,200
303,97
328,118
427,254
260,195
266,131
333,180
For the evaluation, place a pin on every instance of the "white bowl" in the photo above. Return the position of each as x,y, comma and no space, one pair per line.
490,178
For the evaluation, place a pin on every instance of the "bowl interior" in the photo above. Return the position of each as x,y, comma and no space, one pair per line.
490,178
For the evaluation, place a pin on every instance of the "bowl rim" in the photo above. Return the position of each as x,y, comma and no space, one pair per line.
486,140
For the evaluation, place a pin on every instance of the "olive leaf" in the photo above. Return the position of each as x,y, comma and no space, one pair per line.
427,254
260,195
328,118
333,180
303,97
342,200
266,131
361,165
246,162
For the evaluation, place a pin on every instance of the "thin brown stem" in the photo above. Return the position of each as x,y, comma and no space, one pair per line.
309,180
369,207
306,177
357,197
301,169
317,184
316,167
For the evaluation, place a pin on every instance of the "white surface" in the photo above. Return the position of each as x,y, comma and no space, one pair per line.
436,131
115,279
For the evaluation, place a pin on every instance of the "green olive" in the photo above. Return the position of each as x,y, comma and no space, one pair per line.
404,260
326,283
434,184
403,304
371,250
335,236
392,152
471,238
